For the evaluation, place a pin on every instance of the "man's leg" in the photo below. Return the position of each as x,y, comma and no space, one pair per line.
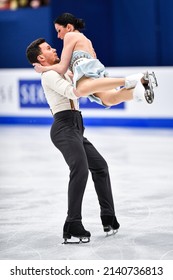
71,147
101,178
69,141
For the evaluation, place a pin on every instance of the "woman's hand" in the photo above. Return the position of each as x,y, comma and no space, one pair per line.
39,68
70,74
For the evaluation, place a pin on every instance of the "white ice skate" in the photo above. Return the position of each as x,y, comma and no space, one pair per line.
139,92
143,91
132,80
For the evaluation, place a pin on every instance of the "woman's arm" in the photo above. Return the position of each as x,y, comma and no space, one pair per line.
62,66
40,68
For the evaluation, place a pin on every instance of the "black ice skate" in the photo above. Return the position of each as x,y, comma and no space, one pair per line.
75,229
110,224
152,83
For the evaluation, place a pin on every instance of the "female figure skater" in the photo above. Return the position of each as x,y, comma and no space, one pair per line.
89,75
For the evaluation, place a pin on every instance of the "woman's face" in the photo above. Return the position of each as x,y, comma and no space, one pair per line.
61,30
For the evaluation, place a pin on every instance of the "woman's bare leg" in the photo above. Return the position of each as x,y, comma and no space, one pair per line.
87,86
114,97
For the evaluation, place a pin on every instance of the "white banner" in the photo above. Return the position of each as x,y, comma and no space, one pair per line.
84,269
21,95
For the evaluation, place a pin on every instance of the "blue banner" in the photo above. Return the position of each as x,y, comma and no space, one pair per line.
31,95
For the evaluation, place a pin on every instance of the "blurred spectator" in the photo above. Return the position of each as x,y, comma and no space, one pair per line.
37,3
4,4
14,4
18,4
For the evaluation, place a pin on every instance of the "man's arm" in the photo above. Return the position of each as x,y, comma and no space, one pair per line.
58,84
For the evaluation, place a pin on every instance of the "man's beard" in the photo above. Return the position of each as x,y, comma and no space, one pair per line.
57,61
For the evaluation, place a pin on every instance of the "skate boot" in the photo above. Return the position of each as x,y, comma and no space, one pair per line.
110,223
132,80
75,229
152,83
139,92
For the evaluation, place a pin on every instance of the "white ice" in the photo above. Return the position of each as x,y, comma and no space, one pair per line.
33,196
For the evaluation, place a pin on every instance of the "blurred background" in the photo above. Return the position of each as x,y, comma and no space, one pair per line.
128,36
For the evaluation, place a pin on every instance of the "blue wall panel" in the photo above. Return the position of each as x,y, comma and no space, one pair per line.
17,29
123,32
166,32
134,35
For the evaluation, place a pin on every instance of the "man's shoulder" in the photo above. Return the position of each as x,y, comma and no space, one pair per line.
50,73
51,77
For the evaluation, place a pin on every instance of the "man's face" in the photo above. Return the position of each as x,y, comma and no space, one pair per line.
48,55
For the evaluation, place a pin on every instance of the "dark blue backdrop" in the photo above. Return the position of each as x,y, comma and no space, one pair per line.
123,32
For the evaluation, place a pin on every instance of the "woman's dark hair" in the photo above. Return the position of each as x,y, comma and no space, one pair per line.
67,18
33,50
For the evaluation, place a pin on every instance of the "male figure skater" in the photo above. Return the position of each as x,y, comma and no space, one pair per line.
67,134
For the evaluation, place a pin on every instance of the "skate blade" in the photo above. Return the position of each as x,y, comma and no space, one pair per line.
151,78
154,79
111,232
81,240
149,95
152,83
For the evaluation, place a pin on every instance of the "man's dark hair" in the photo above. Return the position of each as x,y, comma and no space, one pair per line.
33,50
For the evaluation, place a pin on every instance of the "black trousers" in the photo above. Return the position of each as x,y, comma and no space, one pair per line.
81,156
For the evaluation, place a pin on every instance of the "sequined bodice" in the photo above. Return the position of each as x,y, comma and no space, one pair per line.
77,55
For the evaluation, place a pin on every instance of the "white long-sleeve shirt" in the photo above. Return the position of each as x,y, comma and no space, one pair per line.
58,91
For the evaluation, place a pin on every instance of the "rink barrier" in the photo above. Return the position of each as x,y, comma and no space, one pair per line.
22,101
110,122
